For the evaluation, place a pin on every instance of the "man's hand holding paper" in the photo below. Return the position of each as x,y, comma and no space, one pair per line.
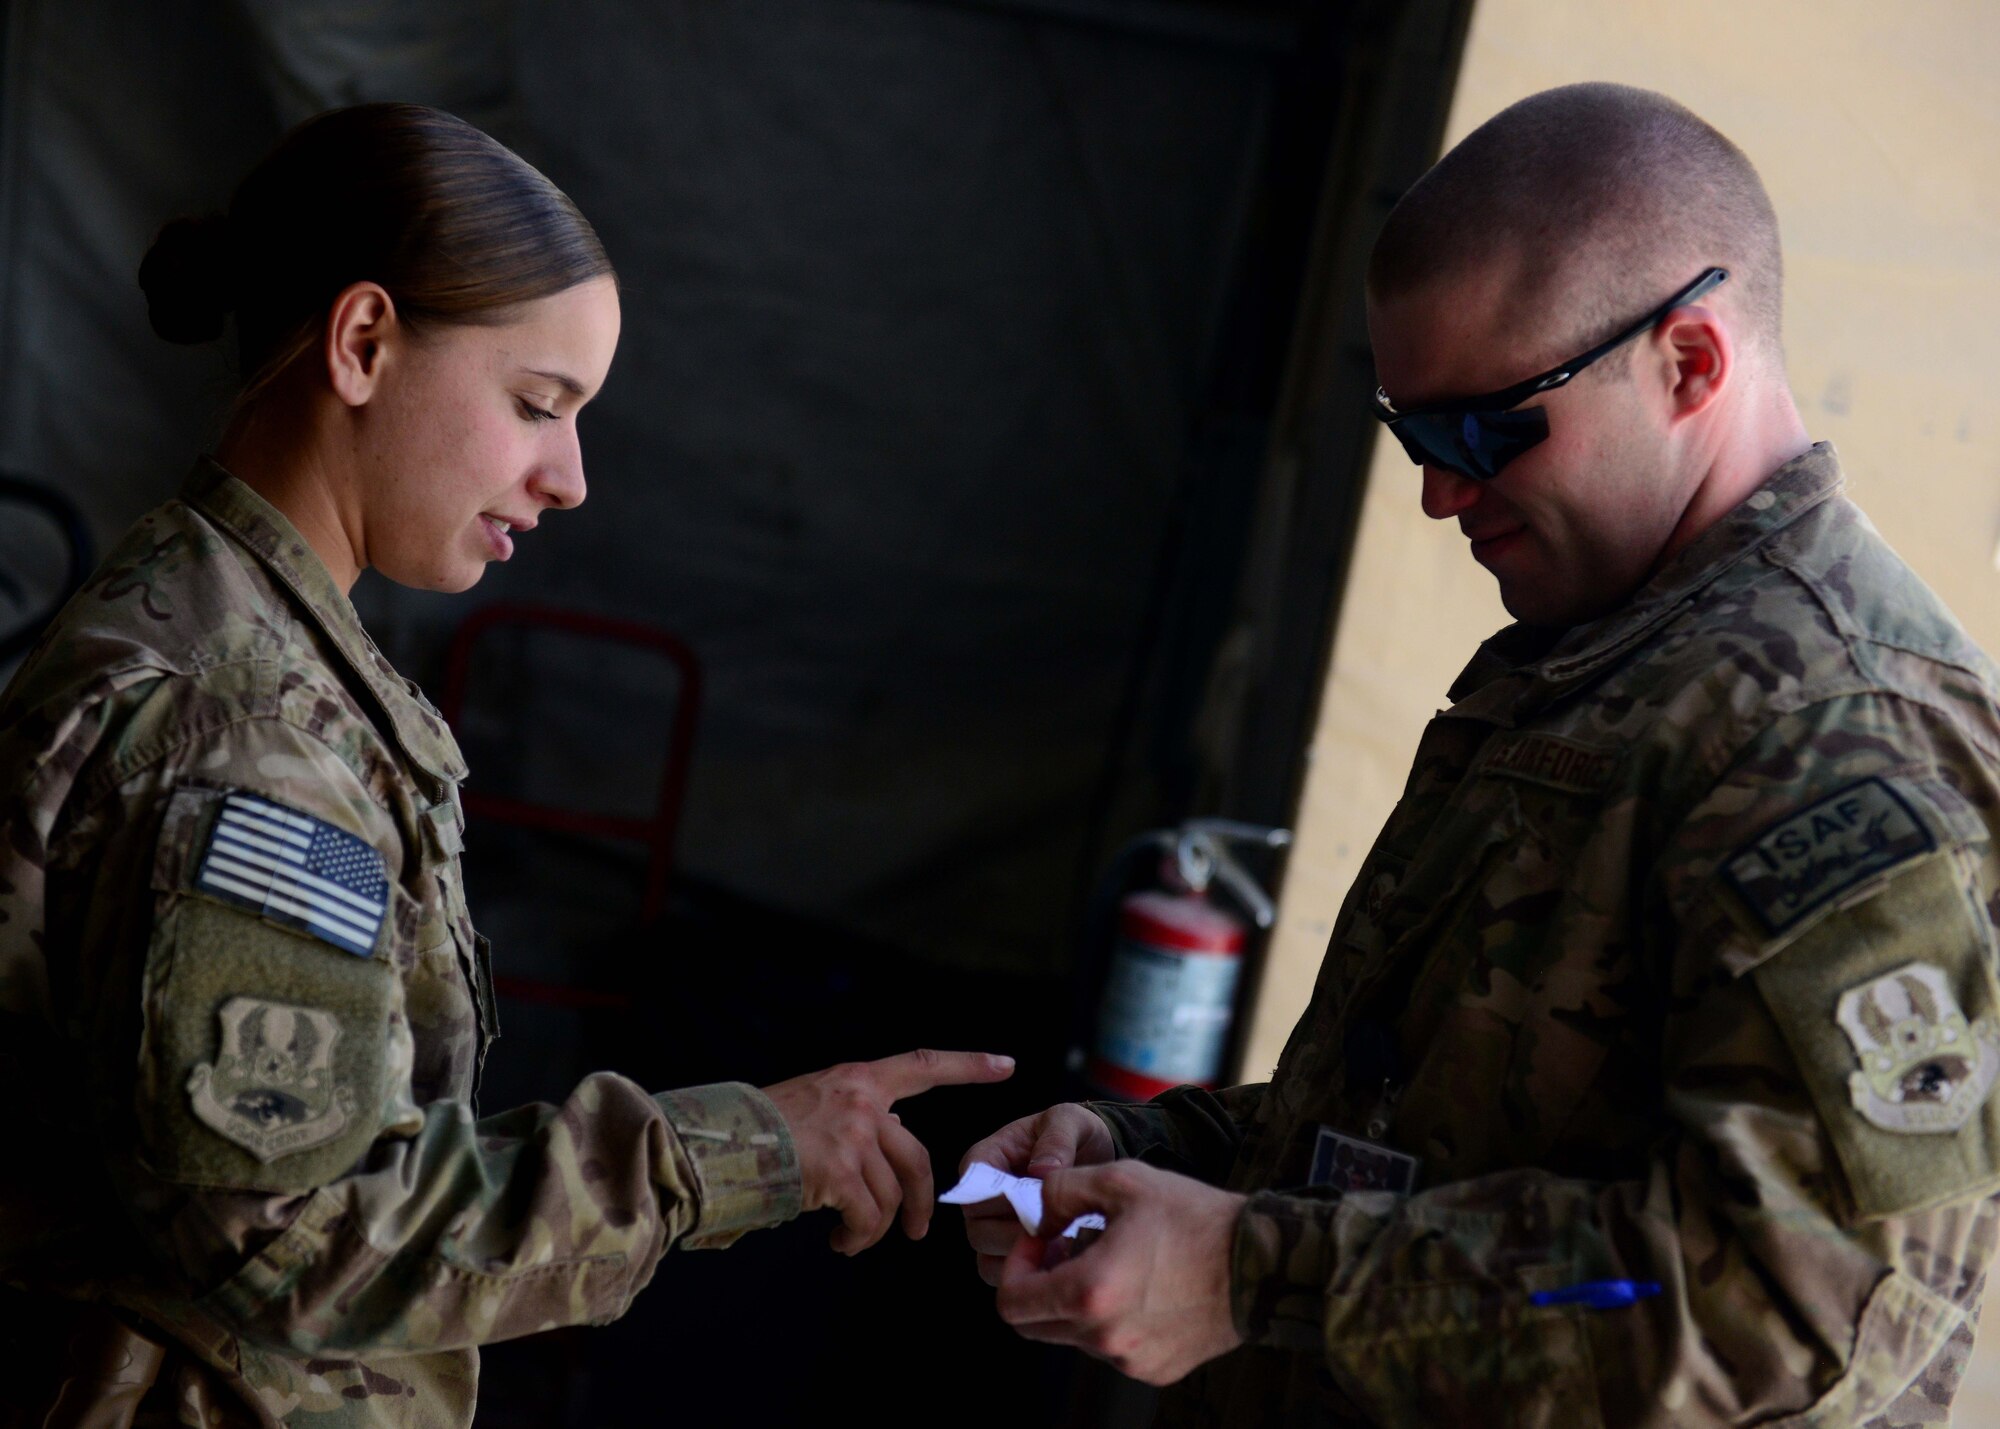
1151,1294
1062,1136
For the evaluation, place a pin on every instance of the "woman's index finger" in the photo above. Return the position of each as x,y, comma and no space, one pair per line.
910,1073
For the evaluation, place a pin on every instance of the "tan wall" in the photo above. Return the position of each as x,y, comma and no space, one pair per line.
1877,129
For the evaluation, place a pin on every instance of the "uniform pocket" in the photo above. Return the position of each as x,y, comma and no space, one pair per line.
1431,889
1442,907
1514,1002
1468,1353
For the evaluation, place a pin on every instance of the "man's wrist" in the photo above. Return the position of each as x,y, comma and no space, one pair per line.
1133,1126
1281,1262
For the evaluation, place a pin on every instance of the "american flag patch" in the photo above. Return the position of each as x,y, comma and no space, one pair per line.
297,870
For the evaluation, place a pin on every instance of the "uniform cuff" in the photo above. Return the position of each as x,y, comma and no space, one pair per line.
1280,1267
1135,1127
746,1170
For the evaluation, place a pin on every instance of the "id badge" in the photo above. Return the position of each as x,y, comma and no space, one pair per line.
1347,1163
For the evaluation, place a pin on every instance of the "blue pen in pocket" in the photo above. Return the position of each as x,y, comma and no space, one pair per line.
1598,1294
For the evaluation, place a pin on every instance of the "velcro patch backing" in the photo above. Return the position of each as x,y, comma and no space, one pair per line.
1905,1090
1808,858
266,1059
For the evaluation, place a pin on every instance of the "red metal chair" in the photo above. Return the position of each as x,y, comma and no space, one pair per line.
656,833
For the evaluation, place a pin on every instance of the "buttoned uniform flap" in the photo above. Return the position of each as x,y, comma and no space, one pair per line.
440,836
273,1042
475,956
450,986
1862,923
444,827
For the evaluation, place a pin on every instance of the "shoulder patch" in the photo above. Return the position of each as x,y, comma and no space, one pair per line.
1807,858
271,1087
296,870
1923,1066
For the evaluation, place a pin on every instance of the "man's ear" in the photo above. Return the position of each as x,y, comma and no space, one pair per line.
359,326
1700,358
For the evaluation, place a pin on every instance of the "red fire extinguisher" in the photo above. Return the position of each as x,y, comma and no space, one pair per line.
1170,988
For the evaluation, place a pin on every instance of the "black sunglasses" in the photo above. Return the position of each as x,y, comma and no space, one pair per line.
1476,436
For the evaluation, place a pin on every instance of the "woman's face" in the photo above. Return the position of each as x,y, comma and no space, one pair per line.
470,436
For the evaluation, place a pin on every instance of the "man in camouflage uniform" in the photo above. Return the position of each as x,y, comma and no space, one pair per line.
243,1015
1649,1075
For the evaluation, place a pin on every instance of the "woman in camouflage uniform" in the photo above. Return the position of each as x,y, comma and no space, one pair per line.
235,954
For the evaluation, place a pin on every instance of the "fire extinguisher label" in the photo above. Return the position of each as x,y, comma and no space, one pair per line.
1166,1014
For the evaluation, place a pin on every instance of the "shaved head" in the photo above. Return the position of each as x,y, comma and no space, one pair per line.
1595,201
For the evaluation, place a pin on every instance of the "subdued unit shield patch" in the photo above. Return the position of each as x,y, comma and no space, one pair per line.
1924,1068
271,1090
1807,858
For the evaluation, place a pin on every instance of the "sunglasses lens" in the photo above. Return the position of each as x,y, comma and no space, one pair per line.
1502,436
1473,444
1418,440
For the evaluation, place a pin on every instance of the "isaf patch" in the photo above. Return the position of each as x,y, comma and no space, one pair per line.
1923,1066
271,1090
297,870
1811,857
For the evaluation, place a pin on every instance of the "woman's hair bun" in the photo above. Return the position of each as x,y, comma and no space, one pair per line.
189,278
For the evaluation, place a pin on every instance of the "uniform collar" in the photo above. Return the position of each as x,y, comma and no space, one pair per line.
1537,664
263,531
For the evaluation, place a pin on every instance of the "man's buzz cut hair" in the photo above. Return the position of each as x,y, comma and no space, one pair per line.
1605,199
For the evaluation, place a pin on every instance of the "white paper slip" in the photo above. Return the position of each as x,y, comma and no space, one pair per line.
982,1183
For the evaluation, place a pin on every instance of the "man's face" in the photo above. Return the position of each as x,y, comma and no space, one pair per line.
1573,526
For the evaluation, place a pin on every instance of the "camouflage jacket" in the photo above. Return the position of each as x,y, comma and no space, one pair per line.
1673,966
237,969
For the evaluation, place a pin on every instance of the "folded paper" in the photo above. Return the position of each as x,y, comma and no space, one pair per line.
985,1183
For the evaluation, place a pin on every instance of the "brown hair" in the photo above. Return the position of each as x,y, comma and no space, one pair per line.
1605,198
455,226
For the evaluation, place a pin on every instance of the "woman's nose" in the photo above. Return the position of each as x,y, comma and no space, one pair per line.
560,483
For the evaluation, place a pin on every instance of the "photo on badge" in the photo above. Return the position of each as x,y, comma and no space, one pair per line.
1348,1163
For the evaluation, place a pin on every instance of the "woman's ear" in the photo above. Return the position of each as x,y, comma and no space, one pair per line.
358,327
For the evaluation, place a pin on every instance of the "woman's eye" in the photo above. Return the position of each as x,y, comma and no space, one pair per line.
534,413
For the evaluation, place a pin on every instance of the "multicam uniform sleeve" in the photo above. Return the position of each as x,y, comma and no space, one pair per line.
273,1148
1187,1129
1815,1220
